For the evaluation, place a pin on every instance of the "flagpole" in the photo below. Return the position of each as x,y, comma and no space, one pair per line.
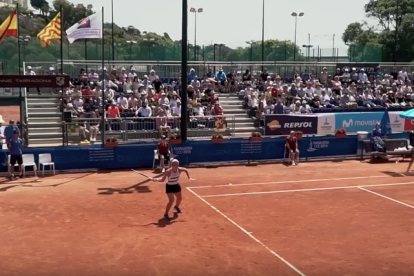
113,34
61,42
61,73
103,78
21,100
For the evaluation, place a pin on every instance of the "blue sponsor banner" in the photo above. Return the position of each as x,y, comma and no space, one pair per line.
353,122
284,124
233,150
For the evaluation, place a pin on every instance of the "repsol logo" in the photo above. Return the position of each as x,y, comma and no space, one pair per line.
298,125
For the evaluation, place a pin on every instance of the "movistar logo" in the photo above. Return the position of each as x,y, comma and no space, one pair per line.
347,124
350,123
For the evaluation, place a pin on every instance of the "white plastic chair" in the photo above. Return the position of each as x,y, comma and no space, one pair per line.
45,159
29,161
155,158
8,164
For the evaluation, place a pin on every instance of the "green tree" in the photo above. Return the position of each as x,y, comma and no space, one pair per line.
391,37
38,4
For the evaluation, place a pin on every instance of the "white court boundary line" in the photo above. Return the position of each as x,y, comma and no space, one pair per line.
386,197
247,233
293,181
310,190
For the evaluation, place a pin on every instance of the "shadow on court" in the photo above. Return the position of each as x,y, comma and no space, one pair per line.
58,184
161,223
128,190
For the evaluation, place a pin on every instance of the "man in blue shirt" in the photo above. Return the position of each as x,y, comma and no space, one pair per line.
192,75
10,129
15,146
221,78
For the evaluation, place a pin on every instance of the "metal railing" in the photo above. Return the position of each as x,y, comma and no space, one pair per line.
172,69
144,129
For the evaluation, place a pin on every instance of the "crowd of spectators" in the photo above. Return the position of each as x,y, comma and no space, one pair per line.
122,94
347,88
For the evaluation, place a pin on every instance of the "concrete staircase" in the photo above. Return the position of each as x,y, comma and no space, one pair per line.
44,121
232,106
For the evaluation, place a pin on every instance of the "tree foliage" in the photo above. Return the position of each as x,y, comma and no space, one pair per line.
393,31
148,46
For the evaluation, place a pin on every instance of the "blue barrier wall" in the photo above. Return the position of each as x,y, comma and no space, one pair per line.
141,154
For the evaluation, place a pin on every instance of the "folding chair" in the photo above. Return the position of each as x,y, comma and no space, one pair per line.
29,161
45,159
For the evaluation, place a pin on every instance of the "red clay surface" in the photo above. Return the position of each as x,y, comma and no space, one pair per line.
109,223
10,113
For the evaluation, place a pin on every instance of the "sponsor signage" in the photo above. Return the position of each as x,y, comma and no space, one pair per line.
365,121
354,122
326,123
284,124
34,81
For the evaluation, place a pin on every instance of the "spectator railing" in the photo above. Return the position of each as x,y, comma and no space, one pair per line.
168,70
146,129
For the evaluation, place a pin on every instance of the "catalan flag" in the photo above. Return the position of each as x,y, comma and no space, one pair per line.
50,32
9,26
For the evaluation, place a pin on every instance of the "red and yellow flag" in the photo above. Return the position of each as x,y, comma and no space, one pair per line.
50,32
9,26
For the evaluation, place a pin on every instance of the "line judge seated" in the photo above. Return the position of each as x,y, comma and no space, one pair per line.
292,146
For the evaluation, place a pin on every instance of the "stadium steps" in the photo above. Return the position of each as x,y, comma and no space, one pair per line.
232,106
44,120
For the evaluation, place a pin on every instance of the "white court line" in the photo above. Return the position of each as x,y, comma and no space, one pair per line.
309,190
248,233
386,197
293,181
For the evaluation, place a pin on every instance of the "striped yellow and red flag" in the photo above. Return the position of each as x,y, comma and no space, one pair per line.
50,32
9,26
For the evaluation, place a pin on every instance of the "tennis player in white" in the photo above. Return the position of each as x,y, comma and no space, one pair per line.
172,187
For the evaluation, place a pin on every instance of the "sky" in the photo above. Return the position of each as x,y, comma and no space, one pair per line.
233,22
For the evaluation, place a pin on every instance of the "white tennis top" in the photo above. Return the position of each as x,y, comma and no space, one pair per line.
174,177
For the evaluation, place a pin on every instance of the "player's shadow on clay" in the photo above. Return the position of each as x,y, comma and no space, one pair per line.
161,223
128,190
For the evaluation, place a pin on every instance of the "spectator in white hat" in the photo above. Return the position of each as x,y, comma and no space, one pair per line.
30,72
132,74
51,71
152,76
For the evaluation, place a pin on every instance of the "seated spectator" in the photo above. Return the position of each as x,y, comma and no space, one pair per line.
132,103
108,83
217,110
174,99
153,76
192,75
163,100
122,103
163,151
78,104
198,110
260,111
83,77
176,110
305,108
144,111
123,76
292,147
87,91
157,84
162,123
109,94
269,108
93,76
222,79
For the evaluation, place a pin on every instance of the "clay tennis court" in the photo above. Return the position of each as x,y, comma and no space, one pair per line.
324,218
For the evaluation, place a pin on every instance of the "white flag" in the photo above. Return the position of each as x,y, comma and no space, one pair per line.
89,27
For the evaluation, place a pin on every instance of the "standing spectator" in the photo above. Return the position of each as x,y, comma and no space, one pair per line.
113,111
10,130
29,72
15,146
153,76
292,147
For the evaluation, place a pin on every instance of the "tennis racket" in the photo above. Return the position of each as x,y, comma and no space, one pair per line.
144,175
